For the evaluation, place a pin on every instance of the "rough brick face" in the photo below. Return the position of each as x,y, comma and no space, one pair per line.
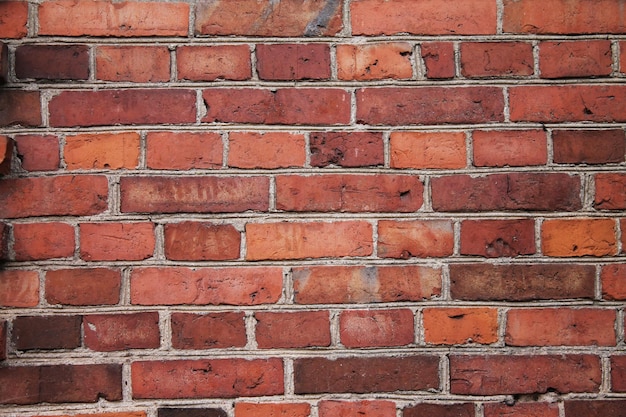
244,409
19,288
451,326
596,408
444,150
52,62
20,108
202,63
509,148
268,150
351,408
183,150
14,19
374,62
197,241
36,241
292,329
496,238
610,191
575,59
589,146
133,63
109,332
83,287
420,239
613,282
438,59
578,237
364,328
439,410
522,409
208,331
346,149
38,153
116,241
111,151
485,59
293,61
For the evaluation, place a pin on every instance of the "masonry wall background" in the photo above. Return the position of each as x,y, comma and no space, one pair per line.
388,208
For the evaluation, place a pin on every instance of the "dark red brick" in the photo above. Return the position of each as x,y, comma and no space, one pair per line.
346,149
575,59
522,409
618,373
208,331
438,59
3,340
38,153
191,412
610,191
292,329
589,146
595,408
293,61
46,332
20,107
52,62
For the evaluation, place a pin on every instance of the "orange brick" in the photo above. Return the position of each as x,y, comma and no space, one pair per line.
376,328
140,64
102,150
442,150
578,237
183,150
19,288
266,150
377,408
13,19
243,409
34,241
374,61
208,63
451,326
116,241
419,238
614,281
498,148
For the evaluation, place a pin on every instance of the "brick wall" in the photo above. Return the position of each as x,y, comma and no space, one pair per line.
244,208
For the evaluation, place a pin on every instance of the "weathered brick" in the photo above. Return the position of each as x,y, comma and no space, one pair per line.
52,62
432,17
521,409
19,288
391,60
429,105
116,241
622,226
358,375
298,106
521,282
575,59
560,326
496,59
498,148
243,409
191,412
157,194
293,61
438,59
496,238
139,64
452,326
183,150
203,286
416,238
209,63
610,191
110,332
376,408
4,241
46,332
520,191
82,287
613,281
618,373
595,408
38,153
104,18
13,19
20,107
356,284
3,340
589,146
439,410
7,146
264,18
112,107
102,150
578,237
35,241
349,193
622,57
346,149
292,329
208,331
210,378
197,241
506,374
376,328
423,150
266,150
4,62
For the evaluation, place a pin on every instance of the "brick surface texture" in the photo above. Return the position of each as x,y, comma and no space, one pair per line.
312,208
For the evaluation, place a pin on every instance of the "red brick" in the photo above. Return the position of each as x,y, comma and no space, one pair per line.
346,149
589,146
13,19
610,191
438,59
111,332
349,193
102,150
419,150
560,327
112,107
254,18
194,194
82,287
391,60
139,64
613,281
19,288
208,331
520,191
266,150
497,238
431,17
52,62
417,238
116,241
210,378
60,384
292,329
440,410
498,148
209,63
110,414
623,227
6,154
4,62
429,105
191,412
4,241
34,241
575,59
563,17
618,373
452,326
377,408
183,150
20,107
376,328
308,240
506,374
293,61
46,332
358,375
297,106
197,241
206,286
38,153
595,408
357,284
622,57
520,409
104,18
243,409
3,340
488,282
496,59
568,103
578,237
